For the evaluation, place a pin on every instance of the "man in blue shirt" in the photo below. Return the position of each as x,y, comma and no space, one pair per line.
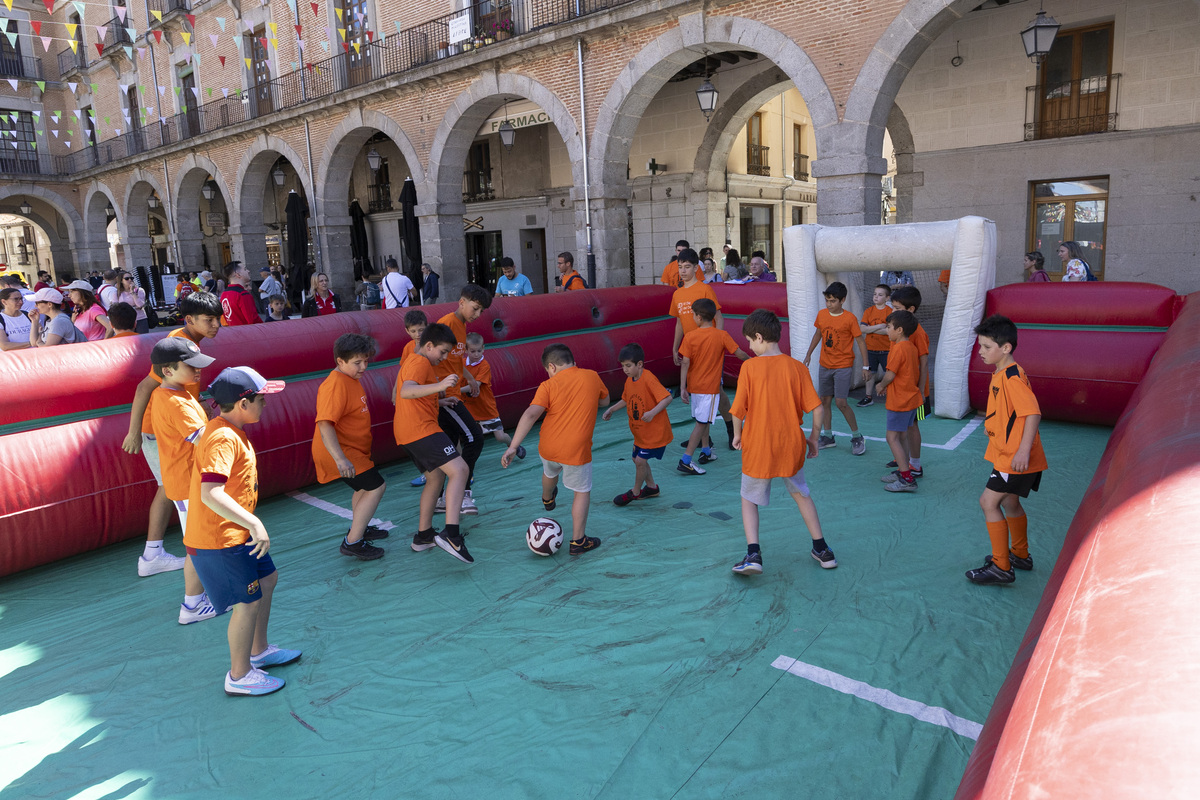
512,283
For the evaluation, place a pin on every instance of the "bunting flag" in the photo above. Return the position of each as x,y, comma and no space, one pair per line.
132,31
157,15
274,28
300,44
158,36
71,86
339,14
121,11
226,92
398,31
297,27
128,52
50,6
100,48
195,92
248,67
46,40
13,83
213,38
41,88
221,22
275,44
356,46
325,47
101,30
34,23
8,4
187,37
222,60
314,7
142,54
71,28
342,33
263,40
191,18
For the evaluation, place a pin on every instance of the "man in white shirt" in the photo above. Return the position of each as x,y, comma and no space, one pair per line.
268,287
109,291
397,288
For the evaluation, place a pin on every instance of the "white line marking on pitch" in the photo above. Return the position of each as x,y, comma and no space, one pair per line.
337,511
880,697
953,444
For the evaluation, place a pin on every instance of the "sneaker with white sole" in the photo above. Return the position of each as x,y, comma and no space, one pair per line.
203,610
990,573
858,446
689,468
253,684
707,458
163,562
824,558
468,503
422,543
901,485
274,657
865,402
751,564
825,442
455,546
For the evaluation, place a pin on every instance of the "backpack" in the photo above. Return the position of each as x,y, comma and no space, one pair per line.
1088,270
575,277
371,294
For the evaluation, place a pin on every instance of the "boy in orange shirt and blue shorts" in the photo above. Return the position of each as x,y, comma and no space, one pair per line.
908,298
837,333
693,288
773,395
874,328
570,400
903,397
1015,450
646,400
703,353
341,445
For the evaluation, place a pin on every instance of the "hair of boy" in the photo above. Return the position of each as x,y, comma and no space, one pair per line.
836,289
476,294
474,339
633,353
278,297
567,257
904,320
764,323
438,334
907,296
199,304
123,316
886,289
415,317
1000,329
1039,260
558,354
227,407
705,309
349,345
230,268
683,243
688,255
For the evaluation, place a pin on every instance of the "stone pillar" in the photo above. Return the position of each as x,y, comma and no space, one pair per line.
191,254
444,246
248,243
708,220
610,241
63,258
335,257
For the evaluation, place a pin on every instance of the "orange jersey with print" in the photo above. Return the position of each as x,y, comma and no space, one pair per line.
920,340
670,274
773,395
416,419
681,303
342,401
178,421
837,338
640,396
571,399
1010,401
408,350
902,394
192,388
705,349
453,363
223,455
483,407
877,316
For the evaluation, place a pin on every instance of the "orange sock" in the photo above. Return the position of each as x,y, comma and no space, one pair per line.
1020,535
998,533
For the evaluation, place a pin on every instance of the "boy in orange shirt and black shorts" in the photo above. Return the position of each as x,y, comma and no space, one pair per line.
773,395
483,405
341,445
903,398
837,333
703,352
570,400
646,401
453,417
874,328
693,288
1015,450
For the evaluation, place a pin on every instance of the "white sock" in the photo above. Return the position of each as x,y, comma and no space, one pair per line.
192,600
153,550
916,462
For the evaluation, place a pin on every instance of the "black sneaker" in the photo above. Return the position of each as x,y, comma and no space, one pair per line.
362,550
688,468
625,499
865,402
455,546
1016,561
421,543
373,533
917,472
891,465
648,491
588,543
824,558
550,504
750,565
990,573
521,452
707,459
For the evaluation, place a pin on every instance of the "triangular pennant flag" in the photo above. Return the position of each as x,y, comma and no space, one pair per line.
292,7
177,89
370,36
222,60
187,58
196,58
342,33
209,90
41,87
325,46
117,131
36,114
121,10
55,132
300,42
187,37
263,41
213,38
132,31
128,52
274,28
91,113
71,27
247,63
108,121
398,31
13,83
294,65
195,92
36,24
358,15
314,8
221,22
346,47
157,15
142,54
74,46
297,27
339,13
12,37
100,48
46,40
101,30
50,6
183,109
79,8
95,87
356,46
275,43
158,36
161,90
191,18
72,86
225,91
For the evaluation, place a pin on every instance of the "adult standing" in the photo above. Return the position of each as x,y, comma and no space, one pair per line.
89,316
1035,268
670,273
110,291
237,303
1075,268
429,285
268,287
398,290
511,282
734,271
135,296
321,300
568,279
57,327
14,323
44,281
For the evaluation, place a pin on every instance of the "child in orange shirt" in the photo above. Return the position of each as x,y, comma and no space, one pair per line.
341,445
178,418
837,333
646,401
1015,450
416,429
703,352
908,298
123,318
227,542
483,405
570,400
773,395
903,397
694,288
874,327
414,325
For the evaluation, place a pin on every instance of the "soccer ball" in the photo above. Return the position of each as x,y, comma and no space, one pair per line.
544,536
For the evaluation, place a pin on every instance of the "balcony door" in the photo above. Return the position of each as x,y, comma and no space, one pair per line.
191,103
756,152
137,139
358,55
1074,83
260,74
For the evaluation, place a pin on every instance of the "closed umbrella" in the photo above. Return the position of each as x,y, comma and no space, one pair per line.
410,233
359,247
296,214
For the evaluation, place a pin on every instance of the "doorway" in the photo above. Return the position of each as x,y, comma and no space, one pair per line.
533,258
484,251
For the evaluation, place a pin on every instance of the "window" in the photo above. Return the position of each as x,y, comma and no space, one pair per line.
11,64
477,178
1074,209
260,75
756,231
358,56
90,122
379,191
22,158
1075,84
799,158
756,153
189,101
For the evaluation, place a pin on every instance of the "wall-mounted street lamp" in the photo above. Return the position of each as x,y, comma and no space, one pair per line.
153,201
1038,36
373,160
278,176
26,209
508,134
207,190
706,95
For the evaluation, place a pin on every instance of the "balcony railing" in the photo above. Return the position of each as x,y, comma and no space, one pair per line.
477,185
166,7
14,66
799,167
386,56
756,159
1072,108
379,197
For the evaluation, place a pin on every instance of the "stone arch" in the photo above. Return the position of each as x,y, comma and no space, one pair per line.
343,145
136,235
95,248
189,180
904,146
246,224
74,232
50,214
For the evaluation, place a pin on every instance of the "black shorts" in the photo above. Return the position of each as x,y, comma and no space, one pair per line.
433,451
877,359
1020,485
366,481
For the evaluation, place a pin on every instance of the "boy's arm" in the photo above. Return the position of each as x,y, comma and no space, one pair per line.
861,341
741,354
528,420
411,390
719,320
812,346
330,440
614,408
818,419
141,399
213,495
652,413
1020,459
923,374
736,441
678,341
683,371
888,377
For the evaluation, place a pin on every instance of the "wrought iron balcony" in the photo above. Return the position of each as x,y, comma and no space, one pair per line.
756,162
168,7
799,167
116,36
1072,108
477,185
379,197
69,61
15,66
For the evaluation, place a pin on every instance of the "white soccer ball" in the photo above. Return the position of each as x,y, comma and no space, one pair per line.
544,536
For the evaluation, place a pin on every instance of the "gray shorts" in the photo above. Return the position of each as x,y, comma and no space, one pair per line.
577,478
834,382
758,490
150,451
900,421
491,425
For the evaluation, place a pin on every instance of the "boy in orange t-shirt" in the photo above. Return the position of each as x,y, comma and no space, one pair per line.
646,401
570,400
431,450
874,328
414,325
837,333
703,351
453,417
178,419
124,319
1014,449
483,405
341,446
903,397
908,298
773,395
694,288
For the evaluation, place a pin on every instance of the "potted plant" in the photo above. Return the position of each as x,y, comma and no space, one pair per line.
502,29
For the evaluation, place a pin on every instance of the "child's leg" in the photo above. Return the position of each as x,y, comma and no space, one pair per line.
160,516
870,384
848,413
1018,524
579,515
808,512
827,420
429,496
641,474
896,441
364,505
913,436
242,621
699,432
724,406
267,585
750,521
997,527
457,474
502,437
548,486
192,587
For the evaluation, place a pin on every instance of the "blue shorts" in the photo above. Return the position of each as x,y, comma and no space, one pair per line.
646,455
901,420
232,575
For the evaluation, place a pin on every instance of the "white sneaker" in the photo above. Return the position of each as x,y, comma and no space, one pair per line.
254,682
163,562
203,610
468,503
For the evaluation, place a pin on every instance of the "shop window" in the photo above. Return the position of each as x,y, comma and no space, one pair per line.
1073,209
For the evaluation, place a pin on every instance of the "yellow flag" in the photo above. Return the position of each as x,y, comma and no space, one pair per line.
274,29
339,13
248,64
8,4
187,37
71,29
157,15
74,46
275,43
356,47
342,31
